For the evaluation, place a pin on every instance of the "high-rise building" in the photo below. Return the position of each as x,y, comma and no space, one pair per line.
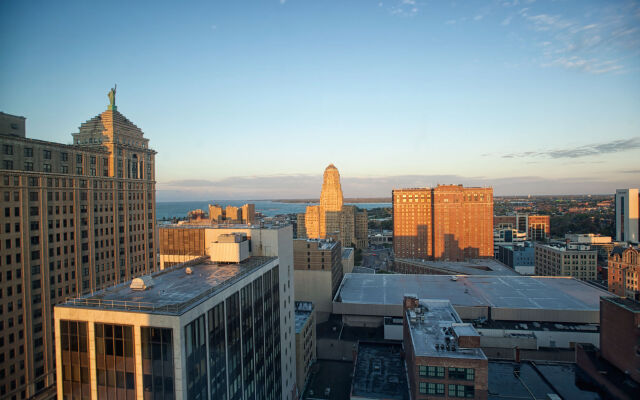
628,215
318,273
443,355
448,222
75,219
576,260
184,243
332,218
207,329
228,215
624,272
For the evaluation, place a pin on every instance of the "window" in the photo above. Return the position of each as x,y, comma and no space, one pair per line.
7,164
436,389
423,387
64,169
28,166
46,167
465,374
7,149
75,363
431,372
46,154
461,391
28,152
79,158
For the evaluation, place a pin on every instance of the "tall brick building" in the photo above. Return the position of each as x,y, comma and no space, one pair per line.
443,355
624,272
75,218
448,222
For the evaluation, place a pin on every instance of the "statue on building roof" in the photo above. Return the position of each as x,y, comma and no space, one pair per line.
112,98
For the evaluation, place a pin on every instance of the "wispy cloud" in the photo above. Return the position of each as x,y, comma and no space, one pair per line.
594,42
404,8
614,146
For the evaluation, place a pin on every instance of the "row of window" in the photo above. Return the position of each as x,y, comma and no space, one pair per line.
465,374
437,389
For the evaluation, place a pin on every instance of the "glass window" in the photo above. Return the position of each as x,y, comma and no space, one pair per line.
196,354
157,363
75,359
115,361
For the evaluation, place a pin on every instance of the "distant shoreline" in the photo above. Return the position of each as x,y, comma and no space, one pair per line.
346,200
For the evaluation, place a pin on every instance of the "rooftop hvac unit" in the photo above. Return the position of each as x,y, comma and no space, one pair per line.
141,283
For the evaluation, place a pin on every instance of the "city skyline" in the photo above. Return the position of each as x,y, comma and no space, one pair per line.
528,97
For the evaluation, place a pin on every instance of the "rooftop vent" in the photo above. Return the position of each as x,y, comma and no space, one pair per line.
188,271
141,283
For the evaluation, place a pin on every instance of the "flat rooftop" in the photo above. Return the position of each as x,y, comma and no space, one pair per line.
346,252
524,292
303,311
379,372
173,291
534,380
431,326
476,266
629,304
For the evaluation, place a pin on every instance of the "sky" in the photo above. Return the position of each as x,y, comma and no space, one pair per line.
253,99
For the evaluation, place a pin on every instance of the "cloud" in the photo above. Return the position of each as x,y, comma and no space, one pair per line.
614,146
507,20
630,171
404,8
597,41
309,186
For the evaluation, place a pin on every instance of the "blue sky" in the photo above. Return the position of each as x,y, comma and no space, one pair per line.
252,99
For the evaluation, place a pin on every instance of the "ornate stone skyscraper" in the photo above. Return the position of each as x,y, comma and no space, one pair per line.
332,218
331,195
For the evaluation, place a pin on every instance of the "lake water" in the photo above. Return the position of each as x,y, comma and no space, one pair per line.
170,209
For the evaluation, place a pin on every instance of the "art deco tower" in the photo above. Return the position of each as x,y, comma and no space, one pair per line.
331,195
332,218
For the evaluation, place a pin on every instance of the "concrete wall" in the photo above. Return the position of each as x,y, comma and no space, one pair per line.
315,286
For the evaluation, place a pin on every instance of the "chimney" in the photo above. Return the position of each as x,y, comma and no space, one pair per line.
410,301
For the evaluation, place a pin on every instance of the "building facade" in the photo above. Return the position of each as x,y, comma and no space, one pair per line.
305,342
628,215
183,243
75,219
535,227
624,272
331,218
443,355
201,330
448,222
520,257
318,273
575,260
620,334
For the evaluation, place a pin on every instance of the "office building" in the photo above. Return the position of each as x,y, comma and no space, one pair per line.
628,215
219,215
318,273
75,219
183,243
201,330
576,260
305,341
331,218
535,227
602,244
624,272
520,257
443,223
348,255
443,354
